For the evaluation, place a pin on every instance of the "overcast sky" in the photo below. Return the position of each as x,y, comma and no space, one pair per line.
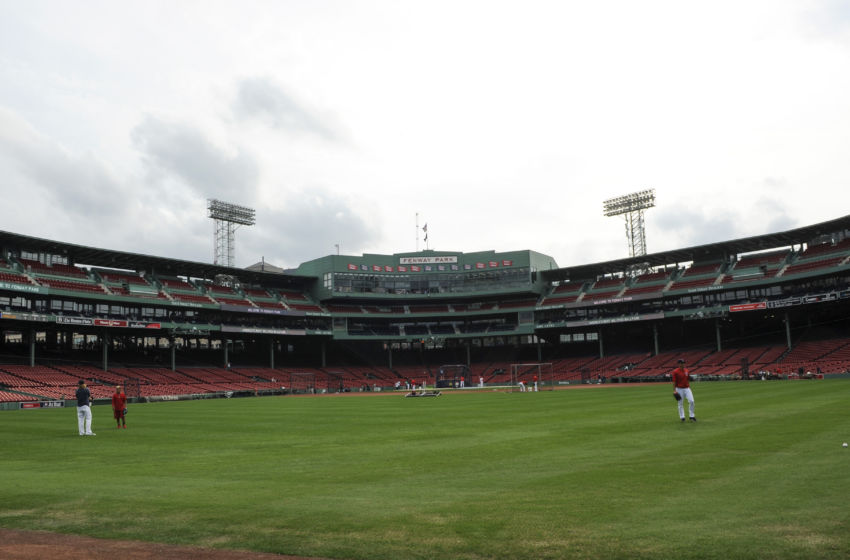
504,125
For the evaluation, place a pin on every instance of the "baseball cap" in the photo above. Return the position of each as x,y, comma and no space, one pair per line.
81,382
681,361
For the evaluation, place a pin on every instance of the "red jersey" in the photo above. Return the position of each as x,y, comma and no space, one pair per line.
681,378
119,401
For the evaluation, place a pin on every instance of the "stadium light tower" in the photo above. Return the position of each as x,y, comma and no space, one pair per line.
227,218
632,207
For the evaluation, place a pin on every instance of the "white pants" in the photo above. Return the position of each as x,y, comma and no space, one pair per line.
686,396
522,387
84,420
535,385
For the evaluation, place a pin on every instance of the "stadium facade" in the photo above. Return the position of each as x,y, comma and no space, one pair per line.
60,301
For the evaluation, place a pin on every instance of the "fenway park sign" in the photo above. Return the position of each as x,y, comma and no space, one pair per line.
428,260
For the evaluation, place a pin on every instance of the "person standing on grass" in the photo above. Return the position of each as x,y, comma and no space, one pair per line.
682,386
119,407
84,409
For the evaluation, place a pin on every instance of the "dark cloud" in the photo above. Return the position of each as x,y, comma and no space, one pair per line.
306,229
686,227
181,151
262,99
683,227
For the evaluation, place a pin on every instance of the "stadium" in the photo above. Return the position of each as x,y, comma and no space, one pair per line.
762,323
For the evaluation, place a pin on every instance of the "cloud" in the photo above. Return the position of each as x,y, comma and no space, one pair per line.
827,20
312,223
685,227
181,151
78,185
264,100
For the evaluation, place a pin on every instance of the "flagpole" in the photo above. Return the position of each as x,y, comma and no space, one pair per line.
417,232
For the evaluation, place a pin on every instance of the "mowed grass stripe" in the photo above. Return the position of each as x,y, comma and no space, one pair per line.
589,473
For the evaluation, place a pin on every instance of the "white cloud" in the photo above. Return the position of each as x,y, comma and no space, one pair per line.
182,151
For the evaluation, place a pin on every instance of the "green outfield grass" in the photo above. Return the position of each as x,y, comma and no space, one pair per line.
600,472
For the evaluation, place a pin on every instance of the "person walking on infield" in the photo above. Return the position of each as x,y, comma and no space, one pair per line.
84,409
682,388
119,407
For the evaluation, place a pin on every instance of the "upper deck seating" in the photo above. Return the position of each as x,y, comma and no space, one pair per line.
72,286
773,258
54,269
655,277
292,295
826,249
813,264
125,291
560,299
635,290
223,290
177,284
606,284
568,288
694,283
257,292
14,278
122,278
268,304
198,298
701,270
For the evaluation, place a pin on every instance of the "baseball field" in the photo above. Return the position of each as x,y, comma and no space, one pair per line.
593,472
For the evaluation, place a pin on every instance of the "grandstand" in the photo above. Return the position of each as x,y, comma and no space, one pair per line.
776,302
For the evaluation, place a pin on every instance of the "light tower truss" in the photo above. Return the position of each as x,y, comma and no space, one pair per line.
227,218
632,206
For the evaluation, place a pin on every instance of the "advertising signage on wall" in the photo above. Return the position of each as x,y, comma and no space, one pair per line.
62,320
261,330
43,404
614,320
25,316
14,286
119,323
791,302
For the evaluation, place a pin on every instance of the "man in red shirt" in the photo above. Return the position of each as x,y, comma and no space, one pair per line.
119,405
682,386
